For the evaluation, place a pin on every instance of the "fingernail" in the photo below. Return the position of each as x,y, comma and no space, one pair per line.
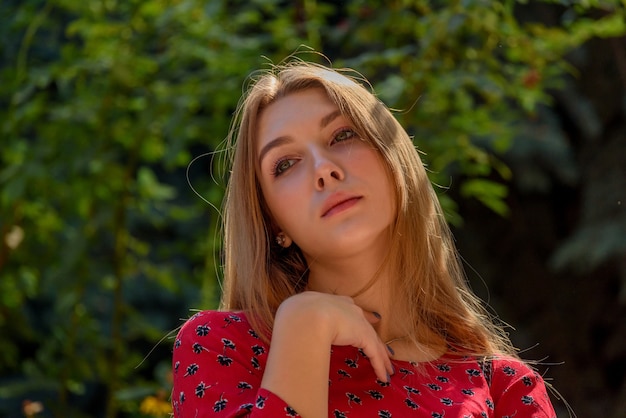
388,378
393,353
393,369
376,314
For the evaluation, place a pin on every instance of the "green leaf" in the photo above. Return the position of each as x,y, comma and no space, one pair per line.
149,186
490,193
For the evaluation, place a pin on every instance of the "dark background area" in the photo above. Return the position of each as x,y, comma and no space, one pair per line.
556,267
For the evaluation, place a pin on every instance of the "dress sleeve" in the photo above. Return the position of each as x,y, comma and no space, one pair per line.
218,366
519,391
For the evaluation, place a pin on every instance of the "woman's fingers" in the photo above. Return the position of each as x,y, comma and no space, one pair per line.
350,325
383,368
371,344
376,351
378,356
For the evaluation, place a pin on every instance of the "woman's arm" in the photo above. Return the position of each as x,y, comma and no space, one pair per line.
218,365
305,327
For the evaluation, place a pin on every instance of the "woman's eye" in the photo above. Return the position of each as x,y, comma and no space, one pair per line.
344,135
282,165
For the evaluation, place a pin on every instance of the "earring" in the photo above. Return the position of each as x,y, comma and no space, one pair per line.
280,239
283,240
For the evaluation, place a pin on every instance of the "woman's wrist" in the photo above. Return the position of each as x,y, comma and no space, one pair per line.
305,313
299,356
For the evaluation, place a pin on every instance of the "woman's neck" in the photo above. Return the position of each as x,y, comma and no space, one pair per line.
370,286
366,282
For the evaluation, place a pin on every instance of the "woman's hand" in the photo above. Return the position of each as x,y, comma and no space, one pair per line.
345,322
305,327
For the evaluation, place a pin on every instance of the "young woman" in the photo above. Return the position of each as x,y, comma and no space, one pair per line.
343,293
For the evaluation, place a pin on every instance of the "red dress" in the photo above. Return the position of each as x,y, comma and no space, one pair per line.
219,361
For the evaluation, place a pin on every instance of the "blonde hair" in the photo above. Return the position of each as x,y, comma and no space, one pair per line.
430,291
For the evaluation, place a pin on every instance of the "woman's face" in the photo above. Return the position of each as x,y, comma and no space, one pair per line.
326,188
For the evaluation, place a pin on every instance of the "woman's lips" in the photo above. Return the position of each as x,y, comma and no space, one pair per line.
341,206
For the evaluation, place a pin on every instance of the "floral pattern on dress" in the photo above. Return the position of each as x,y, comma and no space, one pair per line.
218,362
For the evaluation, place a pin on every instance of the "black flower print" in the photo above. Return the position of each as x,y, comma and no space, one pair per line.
405,372
362,353
181,397
224,361
353,398
200,389
351,363
177,343
202,330
443,379
433,387
343,374
509,371
258,350
411,391
220,404
253,334
176,366
260,401
228,344
230,319
192,369
468,392
472,373
527,400
447,401
243,386
255,363
437,415
384,414
375,394
290,412
444,367
490,404
527,381
197,348
408,402
338,414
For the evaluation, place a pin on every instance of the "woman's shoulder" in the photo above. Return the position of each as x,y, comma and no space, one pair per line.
499,370
224,318
224,324
512,384
504,363
517,385
510,367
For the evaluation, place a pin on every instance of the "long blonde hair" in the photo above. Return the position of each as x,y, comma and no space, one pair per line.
430,292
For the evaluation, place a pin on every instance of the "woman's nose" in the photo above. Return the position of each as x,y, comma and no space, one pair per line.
327,171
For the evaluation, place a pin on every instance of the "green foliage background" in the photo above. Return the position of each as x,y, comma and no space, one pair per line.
103,104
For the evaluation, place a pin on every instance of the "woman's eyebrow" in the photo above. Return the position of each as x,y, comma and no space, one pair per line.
276,142
329,118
